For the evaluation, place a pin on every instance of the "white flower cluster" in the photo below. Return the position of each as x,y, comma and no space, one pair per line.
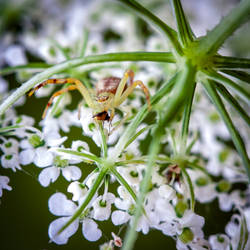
211,167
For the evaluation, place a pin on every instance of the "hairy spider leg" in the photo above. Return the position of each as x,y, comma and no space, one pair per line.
122,121
129,74
81,88
129,90
70,88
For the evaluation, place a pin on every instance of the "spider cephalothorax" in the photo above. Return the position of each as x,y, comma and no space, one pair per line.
110,92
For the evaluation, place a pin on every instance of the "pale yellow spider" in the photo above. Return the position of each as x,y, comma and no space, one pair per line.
109,94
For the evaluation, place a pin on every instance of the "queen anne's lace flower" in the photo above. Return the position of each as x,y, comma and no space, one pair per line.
59,205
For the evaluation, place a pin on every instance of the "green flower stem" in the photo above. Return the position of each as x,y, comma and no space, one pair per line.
88,198
104,141
60,48
228,62
133,161
186,119
136,135
35,67
241,75
123,182
216,37
131,234
197,166
130,130
184,31
81,154
9,128
85,42
238,142
111,57
173,104
213,75
233,102
145,13
190,186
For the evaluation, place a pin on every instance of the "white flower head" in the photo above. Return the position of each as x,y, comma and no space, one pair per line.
61,206
102,206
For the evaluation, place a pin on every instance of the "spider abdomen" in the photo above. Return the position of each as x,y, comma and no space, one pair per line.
108,84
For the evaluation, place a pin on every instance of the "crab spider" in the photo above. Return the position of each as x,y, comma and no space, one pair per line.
110,92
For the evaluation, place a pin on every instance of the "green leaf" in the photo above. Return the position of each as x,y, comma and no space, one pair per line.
210,43
190,186
81,154
243,76
184,30
136,135
186,119
85,42
124,183
35,67
238,142
228,62
145,13
233,102
242,92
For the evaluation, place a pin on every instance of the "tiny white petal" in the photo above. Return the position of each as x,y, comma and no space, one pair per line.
63,237
119,217
71,173
43,157
27,156
90,230
59,205
48,175
77,191
4,180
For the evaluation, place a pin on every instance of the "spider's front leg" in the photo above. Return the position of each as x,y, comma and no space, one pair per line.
127,112
129,90
76,84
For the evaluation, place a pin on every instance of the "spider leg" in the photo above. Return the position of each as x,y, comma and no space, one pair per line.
81,88
130,89
70,88
122,121
79,110
128,75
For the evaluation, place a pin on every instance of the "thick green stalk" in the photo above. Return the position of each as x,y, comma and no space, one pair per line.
238,142
217,36
241,75
233,102
242,92
228,62
131,234
130,130
186,119
174,103
184,30
88,198
111,57
145,13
